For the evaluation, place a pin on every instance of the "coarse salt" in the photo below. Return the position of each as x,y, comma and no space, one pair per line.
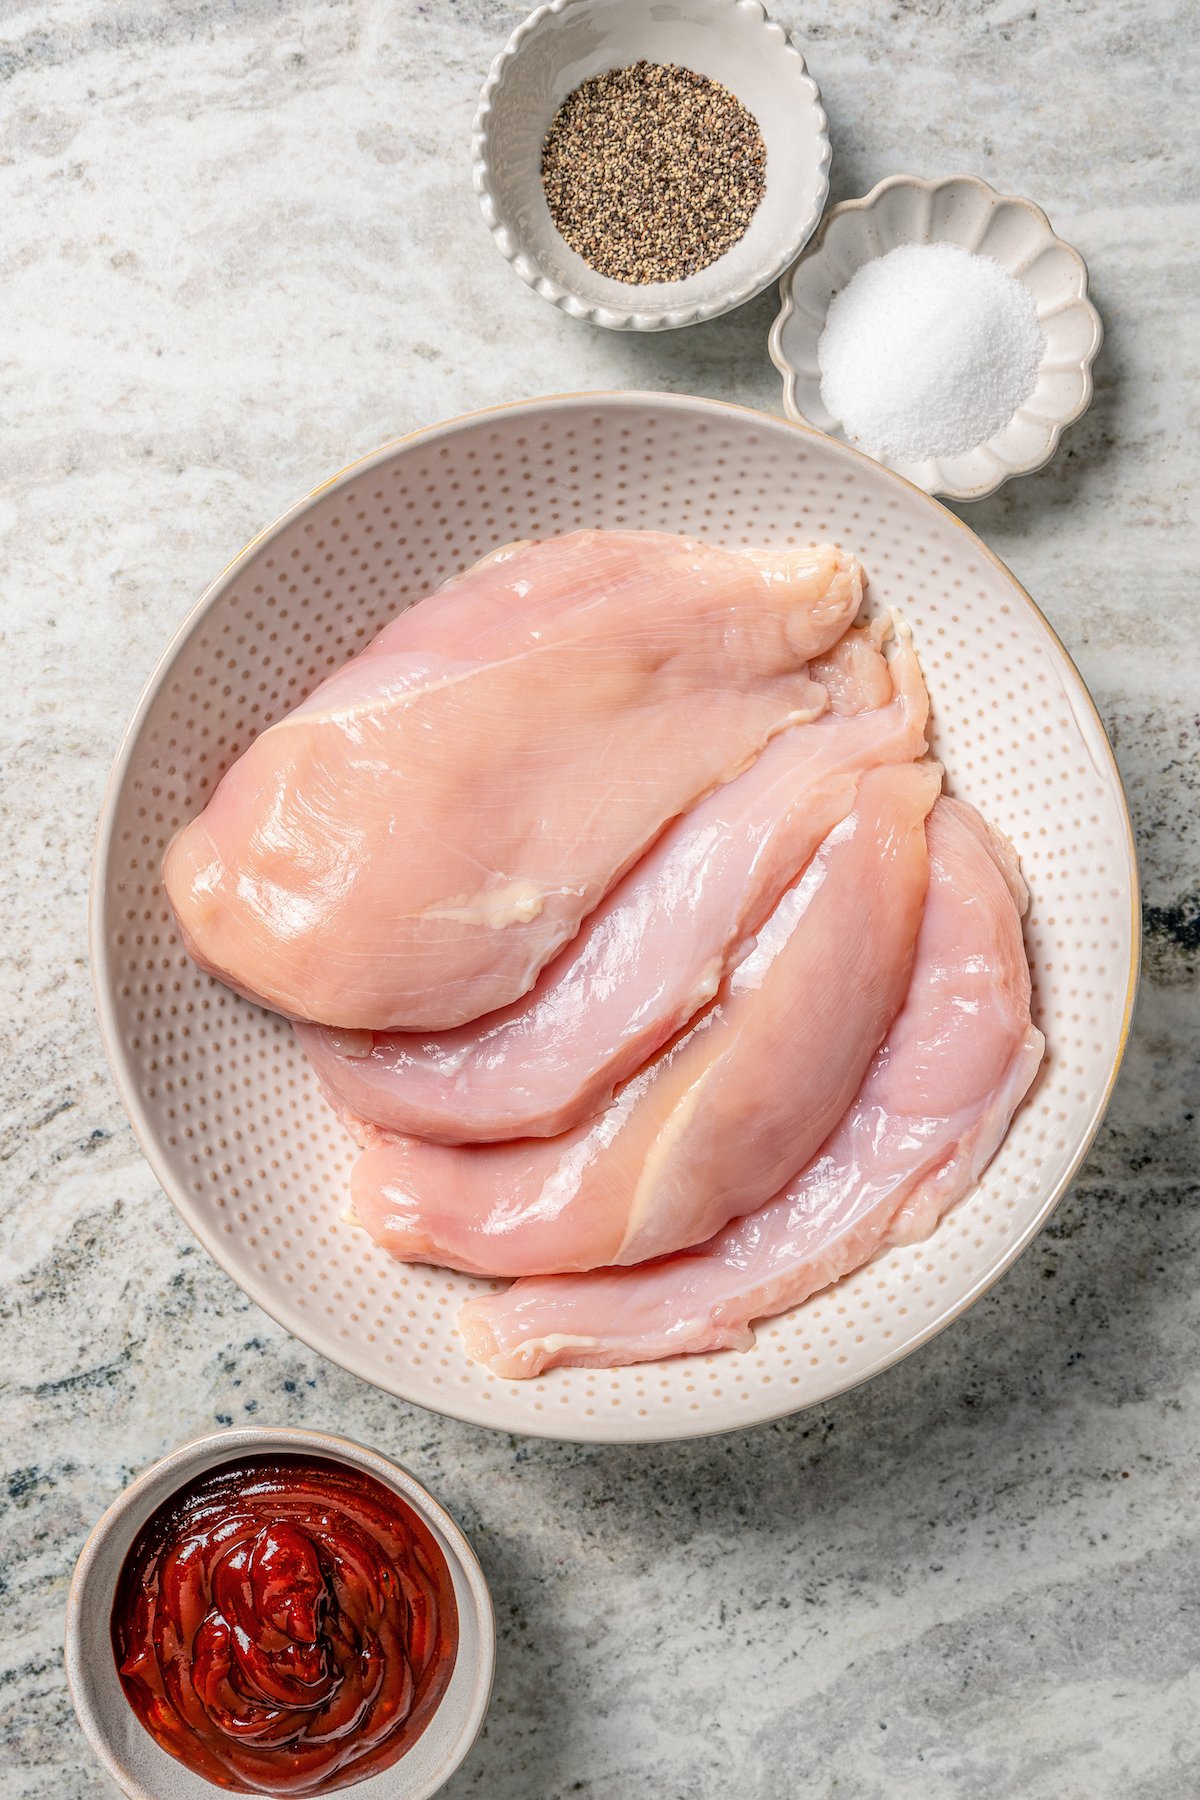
928,351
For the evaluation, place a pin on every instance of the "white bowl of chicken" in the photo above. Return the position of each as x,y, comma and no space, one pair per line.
658,984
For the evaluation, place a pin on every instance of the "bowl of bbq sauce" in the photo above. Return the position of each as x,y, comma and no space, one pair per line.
283,1613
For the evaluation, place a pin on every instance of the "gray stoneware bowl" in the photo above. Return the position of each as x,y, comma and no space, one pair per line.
131,1756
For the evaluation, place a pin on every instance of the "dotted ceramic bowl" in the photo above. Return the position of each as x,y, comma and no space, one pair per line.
138,1764
958,210
219,1092
562,44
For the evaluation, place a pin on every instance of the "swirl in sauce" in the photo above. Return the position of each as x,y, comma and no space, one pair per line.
286,1625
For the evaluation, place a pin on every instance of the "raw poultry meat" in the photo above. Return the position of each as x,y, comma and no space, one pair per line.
412,844
938,1100
714,1125
654,951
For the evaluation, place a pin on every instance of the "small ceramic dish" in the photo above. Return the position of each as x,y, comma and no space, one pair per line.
139,1766
961,210
564,43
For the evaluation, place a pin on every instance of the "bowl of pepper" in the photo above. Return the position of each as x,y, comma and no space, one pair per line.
647,167
277,1611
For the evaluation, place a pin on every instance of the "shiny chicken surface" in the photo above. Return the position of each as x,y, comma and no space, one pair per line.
410,846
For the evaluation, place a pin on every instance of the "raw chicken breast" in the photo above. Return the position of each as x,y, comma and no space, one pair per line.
653,953
712,1127
937,1102
411,845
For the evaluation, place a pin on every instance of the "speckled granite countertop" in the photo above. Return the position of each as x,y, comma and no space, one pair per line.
239,248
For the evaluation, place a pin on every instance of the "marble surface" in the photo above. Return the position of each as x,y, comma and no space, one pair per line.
238,247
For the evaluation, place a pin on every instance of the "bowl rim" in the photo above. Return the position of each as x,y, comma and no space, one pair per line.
569,300
259,1440
816,244
114,1046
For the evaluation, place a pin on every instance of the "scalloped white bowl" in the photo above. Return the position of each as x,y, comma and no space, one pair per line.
961,210
564,43
225,1104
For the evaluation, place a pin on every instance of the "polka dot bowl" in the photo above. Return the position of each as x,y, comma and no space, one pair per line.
965,211
221,1097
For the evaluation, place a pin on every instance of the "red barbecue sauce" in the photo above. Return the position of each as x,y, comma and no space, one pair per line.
286,1625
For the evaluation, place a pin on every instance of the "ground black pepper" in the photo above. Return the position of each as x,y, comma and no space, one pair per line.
651,172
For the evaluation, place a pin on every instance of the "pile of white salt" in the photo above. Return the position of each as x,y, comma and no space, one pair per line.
928,351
